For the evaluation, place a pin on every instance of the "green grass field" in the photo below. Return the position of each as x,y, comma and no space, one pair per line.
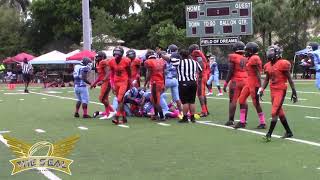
147,150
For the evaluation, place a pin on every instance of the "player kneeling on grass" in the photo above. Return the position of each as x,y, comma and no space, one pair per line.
80,75
278,73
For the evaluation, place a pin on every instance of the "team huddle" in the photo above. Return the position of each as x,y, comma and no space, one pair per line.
184,72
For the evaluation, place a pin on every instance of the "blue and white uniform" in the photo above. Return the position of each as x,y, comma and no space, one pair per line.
214,74
171,80
316,60
80,87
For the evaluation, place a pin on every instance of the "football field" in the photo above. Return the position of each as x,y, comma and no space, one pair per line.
145,150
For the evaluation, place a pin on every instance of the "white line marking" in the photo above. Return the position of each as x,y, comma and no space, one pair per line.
43,98
48,174
2,132
61,97
318,168
263,133
302,92
83,128
266,102
40,130
15,93
164,124
122,125
70,91
21,99
1,100
53,92
218,125
300,99
310,117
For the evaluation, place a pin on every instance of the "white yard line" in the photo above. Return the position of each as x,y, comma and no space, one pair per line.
219,125
21,99
39,130
310,117
262,133
2,132
164,124
266,102
123,126
48,174
14,93
83,128
302,92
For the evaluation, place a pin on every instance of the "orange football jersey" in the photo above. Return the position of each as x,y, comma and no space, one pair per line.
252,79
239,71
156,68
278,80
101,69
135,67
119,71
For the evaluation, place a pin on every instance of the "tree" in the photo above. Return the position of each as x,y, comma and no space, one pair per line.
102,28
11,38
20,5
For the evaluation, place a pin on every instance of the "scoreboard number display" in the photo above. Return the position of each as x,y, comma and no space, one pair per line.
219,19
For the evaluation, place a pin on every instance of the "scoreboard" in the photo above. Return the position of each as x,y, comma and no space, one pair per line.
219,19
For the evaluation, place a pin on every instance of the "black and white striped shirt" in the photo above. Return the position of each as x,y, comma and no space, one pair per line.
26,68
187,69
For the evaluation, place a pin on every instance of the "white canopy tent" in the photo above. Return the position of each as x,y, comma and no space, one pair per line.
54,57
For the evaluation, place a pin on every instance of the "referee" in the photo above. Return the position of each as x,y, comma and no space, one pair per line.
26,73
187,70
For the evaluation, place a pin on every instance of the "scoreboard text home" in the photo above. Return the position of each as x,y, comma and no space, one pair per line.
219,19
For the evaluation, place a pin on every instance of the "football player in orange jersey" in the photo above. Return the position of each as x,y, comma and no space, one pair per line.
135,67
278,73
198,56
119,66
101,66
254,68
236,78
155,76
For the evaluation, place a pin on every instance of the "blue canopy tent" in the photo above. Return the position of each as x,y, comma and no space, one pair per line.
298,53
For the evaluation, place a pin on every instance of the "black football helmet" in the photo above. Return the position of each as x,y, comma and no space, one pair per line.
251,48
238,47
151,54
85,61
193,47
172,48
131,54
274,53
314,46
101,56
118,51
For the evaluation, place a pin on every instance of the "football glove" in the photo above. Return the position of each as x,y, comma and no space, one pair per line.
294,97
260,93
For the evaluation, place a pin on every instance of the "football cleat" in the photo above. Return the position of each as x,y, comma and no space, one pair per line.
261,126
104,117
229,123
267,138
76,115
95,114
209,93
202,114
240,125
183,121
116,122
111,114
86,116
287,135
180,116
220,94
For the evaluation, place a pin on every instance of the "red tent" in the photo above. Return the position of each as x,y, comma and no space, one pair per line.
79,56
8,60
20,57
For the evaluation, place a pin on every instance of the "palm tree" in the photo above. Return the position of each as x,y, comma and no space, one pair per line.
20,5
